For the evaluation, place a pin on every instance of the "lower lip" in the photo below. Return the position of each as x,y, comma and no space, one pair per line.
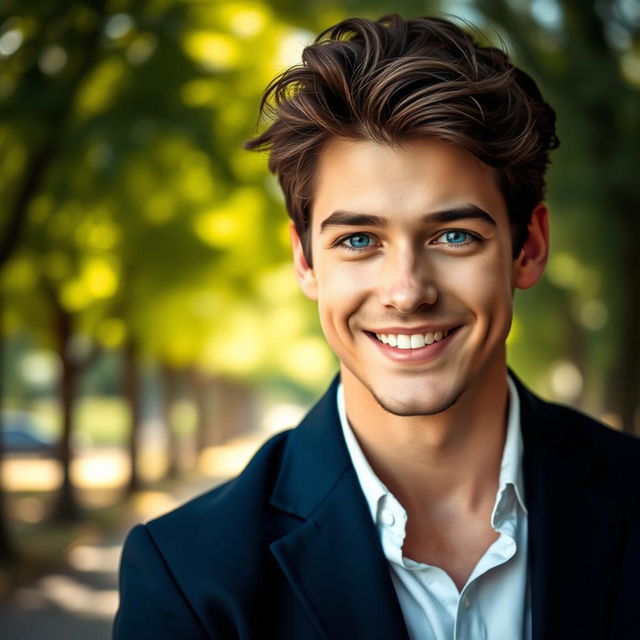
423,354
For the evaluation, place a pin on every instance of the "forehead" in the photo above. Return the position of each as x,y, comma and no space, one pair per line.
403,181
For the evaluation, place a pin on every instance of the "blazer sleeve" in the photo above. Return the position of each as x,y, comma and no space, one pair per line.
152,605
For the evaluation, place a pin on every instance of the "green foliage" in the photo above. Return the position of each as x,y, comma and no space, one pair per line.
149,222
144,218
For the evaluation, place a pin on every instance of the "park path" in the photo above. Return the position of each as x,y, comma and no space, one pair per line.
74,604
79,602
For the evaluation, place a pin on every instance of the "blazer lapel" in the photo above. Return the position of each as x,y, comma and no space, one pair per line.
576,526
333,560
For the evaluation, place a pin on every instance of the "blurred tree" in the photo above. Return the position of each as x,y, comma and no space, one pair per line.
33,144
170,377
131,214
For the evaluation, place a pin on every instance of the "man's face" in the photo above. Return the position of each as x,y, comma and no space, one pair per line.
412,269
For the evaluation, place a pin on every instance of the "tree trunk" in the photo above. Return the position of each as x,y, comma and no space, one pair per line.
169,394
7,550
237,409
66,507
131,380
207,430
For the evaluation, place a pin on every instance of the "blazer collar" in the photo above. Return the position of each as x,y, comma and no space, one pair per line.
333,559
314,459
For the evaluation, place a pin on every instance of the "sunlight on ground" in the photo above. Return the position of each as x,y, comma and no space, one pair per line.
100,469
30,475
76,598
91,558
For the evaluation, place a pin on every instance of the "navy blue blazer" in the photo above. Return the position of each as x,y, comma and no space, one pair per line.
288,550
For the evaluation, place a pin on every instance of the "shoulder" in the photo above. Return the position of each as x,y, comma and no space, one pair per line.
584,428
185,567
217,543
578,441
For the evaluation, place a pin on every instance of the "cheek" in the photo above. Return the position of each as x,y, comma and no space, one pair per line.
344,284
344,298
485,289
340,294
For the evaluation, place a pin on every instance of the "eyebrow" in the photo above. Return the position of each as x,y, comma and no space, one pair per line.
342,218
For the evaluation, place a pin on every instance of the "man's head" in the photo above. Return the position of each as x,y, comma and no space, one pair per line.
412,162
394,80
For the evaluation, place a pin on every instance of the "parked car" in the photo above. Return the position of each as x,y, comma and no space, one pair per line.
21,435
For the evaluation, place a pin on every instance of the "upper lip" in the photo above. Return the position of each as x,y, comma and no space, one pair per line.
414,330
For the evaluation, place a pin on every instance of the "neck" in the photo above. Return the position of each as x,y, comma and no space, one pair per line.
450,457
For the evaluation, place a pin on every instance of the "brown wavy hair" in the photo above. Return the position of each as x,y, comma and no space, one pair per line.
392,80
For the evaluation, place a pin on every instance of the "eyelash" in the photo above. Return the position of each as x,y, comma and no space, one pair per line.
341,242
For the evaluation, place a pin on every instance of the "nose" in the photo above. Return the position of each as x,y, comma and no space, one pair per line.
407,282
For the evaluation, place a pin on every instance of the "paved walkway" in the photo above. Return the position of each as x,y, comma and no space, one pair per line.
79,602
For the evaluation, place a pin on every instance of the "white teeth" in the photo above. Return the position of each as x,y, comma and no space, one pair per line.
417,341
412,341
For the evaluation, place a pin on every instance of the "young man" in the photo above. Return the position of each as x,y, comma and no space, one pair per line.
428,495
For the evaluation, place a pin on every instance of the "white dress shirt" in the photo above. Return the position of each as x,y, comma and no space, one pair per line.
494,604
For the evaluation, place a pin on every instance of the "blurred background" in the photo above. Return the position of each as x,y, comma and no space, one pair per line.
152,330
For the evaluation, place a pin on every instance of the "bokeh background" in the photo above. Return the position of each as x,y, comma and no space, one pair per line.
152,330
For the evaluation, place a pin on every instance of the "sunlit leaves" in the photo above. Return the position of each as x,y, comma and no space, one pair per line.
102,89
214,51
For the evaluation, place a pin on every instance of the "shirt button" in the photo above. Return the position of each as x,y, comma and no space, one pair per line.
466,603
387,518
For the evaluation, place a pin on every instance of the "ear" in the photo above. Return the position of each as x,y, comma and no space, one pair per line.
529,266
304,273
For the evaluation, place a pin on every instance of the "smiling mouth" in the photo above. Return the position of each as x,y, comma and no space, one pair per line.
413,340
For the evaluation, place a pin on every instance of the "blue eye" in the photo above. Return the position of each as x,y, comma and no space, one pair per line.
456,237
358,241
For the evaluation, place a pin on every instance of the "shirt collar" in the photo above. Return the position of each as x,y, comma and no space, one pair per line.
510,468
511,465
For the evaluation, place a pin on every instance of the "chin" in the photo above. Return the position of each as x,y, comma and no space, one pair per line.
413,406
